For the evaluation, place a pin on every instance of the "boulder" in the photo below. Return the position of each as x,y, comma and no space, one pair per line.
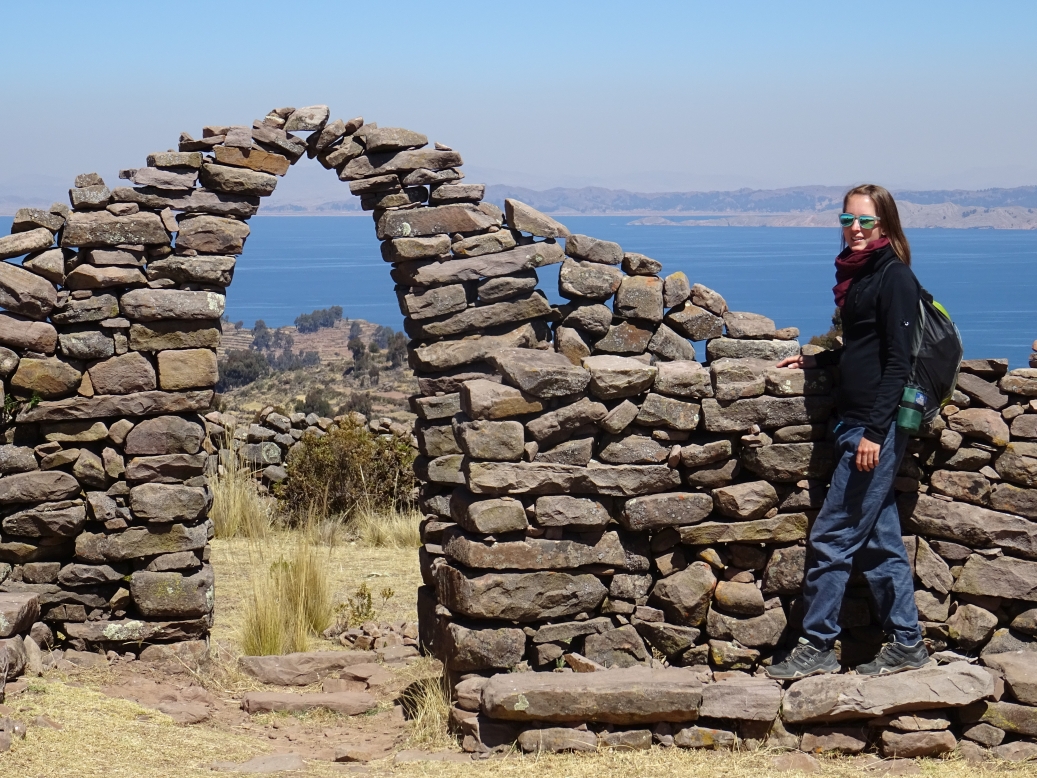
742,599
556,740
495,478
484,399
164,435
161,335
1000,577
683,378
790,462
493,440
347,703
628,337
693,322
667,344
557,425
785,571
576,513
301,669
588,280
613,377
151,305
26,293
528,219
1017,463
841,740
764,631
534,553
614,648
766,412
657,511
744,699
167,503
1019,672
905,745
771,350
18,612
435,220
603,252
37,486
980,423
48,378
124,374
632,449
517,596
640,297
749,500
845,697
481,317
685,595
101,229
970,525
520,259
471,650
783,528
660,411
236,180
704,737
623,697
487,516
540,373
22,334
99,407
20,243
591,318
187,369
172,595
971,626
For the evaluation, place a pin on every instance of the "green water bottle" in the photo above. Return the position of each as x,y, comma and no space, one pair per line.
912,409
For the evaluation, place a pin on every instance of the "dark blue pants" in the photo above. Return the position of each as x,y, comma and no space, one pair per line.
859,522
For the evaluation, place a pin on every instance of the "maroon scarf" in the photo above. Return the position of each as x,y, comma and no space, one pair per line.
849,263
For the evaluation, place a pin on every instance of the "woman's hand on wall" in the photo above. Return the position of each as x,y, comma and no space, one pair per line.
801,362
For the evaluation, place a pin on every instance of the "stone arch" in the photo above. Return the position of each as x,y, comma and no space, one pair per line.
592,492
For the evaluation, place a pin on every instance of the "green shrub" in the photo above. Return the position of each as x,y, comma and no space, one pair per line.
346,470
241,367
315,402
359,402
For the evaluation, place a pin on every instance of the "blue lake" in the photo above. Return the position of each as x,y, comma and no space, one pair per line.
987,279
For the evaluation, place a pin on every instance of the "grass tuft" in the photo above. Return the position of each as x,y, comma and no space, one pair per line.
426,703
387,528
291,597
238,507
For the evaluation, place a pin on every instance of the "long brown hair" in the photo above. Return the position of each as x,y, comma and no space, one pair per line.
888,215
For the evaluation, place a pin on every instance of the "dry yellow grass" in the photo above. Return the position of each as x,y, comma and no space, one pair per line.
344,566
387,528
289,599
238,509
675,763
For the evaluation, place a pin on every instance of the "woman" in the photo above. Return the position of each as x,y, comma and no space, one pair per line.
879,298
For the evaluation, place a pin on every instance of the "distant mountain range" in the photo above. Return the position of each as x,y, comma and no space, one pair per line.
802,206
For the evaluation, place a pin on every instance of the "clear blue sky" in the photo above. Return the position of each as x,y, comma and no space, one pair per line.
648,95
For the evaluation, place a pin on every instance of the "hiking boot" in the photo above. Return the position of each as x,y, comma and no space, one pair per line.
895,658
804,660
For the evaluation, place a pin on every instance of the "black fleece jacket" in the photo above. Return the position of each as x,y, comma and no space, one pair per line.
878,318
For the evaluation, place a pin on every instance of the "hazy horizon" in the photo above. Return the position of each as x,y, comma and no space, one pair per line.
670,97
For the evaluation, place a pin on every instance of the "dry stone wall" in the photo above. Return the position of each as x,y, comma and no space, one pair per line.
601,508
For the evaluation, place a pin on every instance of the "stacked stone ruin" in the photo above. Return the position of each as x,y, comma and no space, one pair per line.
614,539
